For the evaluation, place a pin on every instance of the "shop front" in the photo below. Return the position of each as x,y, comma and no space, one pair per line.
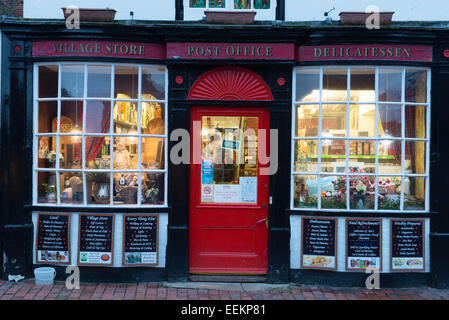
188,151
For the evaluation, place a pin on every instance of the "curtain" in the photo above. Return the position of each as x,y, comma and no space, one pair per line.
93,146
393,125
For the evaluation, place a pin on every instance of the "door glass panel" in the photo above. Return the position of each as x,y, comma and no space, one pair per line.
229,163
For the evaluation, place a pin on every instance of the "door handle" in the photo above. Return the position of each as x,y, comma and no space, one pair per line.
266,221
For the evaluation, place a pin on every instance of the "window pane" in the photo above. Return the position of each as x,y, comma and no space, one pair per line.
153,189
261,4
197,3
335,84
98,117
242,4
48,81
46,152
72,81
308,85
305,192
389,121
217,3
125,153
125,117
334,120
390,156
98,155
153,83
48,117
416,86
362,191
98,187
415,157
362,121
125,188
71,150
362,156
73,188
415,122
71,117
363,85
126,82
99,81
153,118
153,153
306,156
46,187
389,189
333,155
414,193
390,85
307,121
333,192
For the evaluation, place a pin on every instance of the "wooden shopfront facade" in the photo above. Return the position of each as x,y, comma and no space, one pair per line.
97,173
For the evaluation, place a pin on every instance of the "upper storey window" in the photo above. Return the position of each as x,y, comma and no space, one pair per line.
194,9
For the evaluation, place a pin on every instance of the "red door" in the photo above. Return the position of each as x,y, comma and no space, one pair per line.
229,196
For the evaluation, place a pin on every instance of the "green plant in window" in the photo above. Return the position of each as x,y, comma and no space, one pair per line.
197,3
242,4
217,3
332,203
388,204
261,4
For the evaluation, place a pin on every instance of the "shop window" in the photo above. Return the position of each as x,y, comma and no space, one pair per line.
100,137
237,4
361,139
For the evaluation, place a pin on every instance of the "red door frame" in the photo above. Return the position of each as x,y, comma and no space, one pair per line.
261,207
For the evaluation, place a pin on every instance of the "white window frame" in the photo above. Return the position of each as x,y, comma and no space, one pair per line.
198,13
111,135
348,138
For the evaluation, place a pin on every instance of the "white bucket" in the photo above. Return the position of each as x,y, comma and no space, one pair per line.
44,276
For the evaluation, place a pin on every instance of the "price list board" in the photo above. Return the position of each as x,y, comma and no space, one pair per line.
407,245
363,244
319,246
53,239
140,237
96,238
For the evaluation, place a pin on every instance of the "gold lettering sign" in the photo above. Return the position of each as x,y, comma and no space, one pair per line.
229,51
98,48
362,52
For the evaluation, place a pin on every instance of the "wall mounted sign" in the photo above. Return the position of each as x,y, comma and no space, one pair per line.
363,244
140,240
246,51
319,245
96,239
407,245
53,239
98,49
364,52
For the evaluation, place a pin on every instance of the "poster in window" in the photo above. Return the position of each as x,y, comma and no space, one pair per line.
319,246
407,245
96,239
140,240
363,244
53,239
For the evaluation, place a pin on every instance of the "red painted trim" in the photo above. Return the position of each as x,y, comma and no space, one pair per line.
241,51
69,48
364,52
230,83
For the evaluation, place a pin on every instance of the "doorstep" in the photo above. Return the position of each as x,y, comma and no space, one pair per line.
228,286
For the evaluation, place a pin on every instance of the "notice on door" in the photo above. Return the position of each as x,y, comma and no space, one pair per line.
140,240
248,189
207,171
363,244
95,244
227,193
319,243
53,239
407,245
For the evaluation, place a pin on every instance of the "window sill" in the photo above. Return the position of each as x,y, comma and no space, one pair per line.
363,214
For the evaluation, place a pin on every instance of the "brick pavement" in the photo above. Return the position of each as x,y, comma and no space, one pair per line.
27,290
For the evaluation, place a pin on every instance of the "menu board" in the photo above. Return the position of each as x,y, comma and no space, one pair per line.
53,239
95,244
140,236
407,245
319,245
363,244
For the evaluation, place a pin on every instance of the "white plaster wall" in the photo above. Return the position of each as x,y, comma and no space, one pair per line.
405,10
295,244
143,9
118,239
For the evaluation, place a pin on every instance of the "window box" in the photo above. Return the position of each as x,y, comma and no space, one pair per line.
357,18
94,15
230,17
